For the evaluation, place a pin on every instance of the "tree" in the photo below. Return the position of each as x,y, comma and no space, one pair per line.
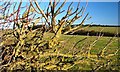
53,10
29,44
49,16
25,48
58,26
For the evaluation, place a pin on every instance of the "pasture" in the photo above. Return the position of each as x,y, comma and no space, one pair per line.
81,45
113,30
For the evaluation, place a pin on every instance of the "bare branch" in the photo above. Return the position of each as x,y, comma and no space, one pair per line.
60,7
43,14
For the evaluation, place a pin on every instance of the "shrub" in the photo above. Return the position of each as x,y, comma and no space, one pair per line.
28,50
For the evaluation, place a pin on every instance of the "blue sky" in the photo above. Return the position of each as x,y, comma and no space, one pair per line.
103,13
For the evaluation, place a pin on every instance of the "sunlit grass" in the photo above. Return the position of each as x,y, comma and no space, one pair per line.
113,30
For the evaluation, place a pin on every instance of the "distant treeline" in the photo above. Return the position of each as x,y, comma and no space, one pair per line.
90,33
94,25
94,33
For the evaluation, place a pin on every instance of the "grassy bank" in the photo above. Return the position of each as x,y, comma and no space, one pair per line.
96,30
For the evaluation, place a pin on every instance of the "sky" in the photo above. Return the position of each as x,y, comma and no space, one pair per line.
103,13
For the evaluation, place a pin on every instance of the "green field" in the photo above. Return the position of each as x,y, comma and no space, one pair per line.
113,30
70,40
71,44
